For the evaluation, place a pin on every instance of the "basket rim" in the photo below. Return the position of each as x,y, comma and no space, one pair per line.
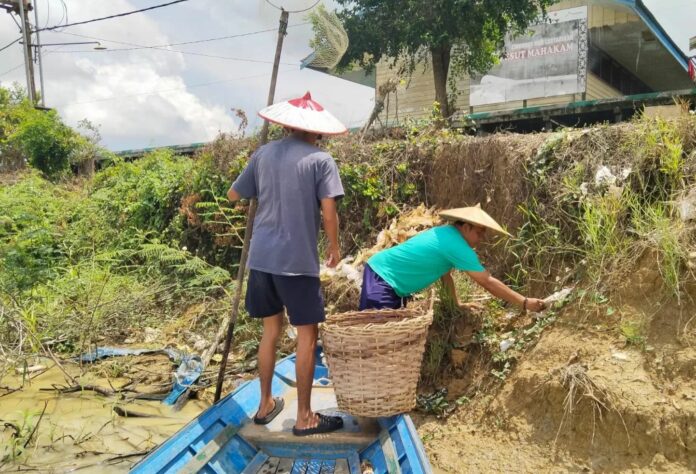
343,320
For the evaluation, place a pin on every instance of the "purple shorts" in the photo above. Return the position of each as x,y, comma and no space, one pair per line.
377,293
267,294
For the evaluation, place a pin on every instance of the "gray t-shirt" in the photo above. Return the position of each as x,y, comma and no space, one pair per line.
288,177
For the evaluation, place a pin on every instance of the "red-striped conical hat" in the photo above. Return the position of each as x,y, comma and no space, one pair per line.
303,114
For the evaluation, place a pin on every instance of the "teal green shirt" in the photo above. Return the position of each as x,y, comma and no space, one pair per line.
417,263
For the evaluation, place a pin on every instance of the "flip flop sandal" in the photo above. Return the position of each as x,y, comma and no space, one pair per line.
277,408
327,424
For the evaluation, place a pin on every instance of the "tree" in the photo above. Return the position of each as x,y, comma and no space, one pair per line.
42,139
45,140
456,35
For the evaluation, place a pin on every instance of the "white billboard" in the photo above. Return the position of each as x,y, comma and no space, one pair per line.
550,59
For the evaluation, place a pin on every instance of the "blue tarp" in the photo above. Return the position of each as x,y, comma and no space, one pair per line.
189,370
186,375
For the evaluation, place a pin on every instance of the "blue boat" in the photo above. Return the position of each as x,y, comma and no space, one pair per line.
223,439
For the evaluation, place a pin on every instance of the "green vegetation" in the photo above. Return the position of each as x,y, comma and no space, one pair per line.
452,36
41,137
141,243
598,225
149,243
20,437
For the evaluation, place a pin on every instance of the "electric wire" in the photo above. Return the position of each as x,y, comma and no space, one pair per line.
118,15
191,86
158,46
50,51
292,11
48,13
140,46
10,44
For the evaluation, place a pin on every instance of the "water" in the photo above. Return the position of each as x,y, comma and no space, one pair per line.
79,431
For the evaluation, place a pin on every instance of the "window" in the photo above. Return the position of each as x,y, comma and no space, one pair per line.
607,69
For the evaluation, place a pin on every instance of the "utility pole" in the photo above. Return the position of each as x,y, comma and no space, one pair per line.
26,36
282,31
38,56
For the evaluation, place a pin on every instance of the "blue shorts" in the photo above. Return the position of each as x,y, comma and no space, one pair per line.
377,293
300,295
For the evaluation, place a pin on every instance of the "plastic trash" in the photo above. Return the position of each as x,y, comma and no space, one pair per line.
506,344
604,176
189,370
558,296
186,374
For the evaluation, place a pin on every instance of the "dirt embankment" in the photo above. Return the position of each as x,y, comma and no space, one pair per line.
584,399
608,384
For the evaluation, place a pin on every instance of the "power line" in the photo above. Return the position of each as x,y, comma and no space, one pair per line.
196,41
158,48
203,84
118,15
10,44
212,56
291,11
51,51
13,69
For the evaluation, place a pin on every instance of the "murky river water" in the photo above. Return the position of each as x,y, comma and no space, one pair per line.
80,432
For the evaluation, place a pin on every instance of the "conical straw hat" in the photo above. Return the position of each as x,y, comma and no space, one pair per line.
473,215
303,114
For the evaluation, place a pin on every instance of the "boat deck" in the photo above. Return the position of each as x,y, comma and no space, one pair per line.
279,451
296,466
356,432
224,439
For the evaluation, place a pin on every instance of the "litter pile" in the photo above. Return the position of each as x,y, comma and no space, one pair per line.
342,284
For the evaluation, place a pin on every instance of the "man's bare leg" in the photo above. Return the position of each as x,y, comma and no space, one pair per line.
304,370
272,326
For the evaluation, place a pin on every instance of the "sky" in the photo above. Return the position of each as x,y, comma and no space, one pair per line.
184,94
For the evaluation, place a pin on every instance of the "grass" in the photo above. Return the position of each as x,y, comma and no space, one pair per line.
17,441
633,333
661,232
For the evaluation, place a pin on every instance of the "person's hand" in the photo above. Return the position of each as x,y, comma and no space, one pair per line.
534,304
334,257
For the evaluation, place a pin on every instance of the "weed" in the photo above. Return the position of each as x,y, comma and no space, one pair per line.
633,333
661,232
17,441
436,403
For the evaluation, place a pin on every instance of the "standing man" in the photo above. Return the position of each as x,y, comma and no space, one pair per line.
296,184
392,275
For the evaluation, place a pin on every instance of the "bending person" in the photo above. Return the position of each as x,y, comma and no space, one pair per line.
296,184
391,276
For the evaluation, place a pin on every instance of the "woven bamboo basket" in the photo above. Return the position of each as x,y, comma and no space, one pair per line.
374,359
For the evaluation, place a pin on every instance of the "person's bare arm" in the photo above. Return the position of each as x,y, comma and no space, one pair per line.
500,290
330,218
233,195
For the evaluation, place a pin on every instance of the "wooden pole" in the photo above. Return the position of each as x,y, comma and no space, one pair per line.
282,30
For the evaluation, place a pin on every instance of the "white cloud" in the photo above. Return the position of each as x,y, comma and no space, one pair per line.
161,97
171,116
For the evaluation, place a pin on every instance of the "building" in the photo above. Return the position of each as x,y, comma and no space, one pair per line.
593,60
